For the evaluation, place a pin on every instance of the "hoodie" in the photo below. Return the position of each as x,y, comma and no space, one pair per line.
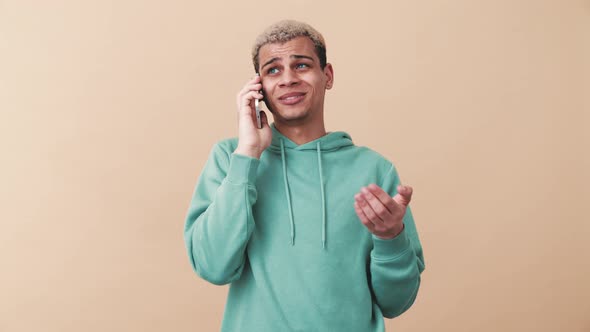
283,232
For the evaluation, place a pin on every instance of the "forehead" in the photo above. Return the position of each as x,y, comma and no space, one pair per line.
298,45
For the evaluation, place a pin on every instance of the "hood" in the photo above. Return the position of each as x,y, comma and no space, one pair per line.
329,142
332,141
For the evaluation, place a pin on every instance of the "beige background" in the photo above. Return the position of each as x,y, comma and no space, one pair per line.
109,109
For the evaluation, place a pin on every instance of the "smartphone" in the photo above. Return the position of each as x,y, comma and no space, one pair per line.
257,106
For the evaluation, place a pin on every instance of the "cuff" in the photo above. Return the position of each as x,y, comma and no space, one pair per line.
242,169
391,247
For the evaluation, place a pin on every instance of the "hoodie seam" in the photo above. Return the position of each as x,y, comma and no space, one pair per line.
249,215
235,183
392,258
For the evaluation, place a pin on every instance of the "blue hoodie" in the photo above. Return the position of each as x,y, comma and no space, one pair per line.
283,231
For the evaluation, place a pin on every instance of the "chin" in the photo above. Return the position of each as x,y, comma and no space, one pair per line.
293,113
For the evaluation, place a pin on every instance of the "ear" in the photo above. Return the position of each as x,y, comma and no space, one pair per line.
329,72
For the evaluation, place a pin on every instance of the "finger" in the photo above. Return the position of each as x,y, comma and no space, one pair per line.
247,88
363,218
382,196
248,98
253,84
378,207
404,195
254,79
368,210
251,87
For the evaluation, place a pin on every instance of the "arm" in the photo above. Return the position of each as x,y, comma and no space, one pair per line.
396,260
219,221
396,265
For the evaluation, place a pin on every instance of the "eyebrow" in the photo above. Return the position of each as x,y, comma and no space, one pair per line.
301,57
295,56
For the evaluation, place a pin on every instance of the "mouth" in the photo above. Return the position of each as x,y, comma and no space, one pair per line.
291,98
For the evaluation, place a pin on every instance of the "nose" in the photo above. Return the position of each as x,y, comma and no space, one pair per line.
289,78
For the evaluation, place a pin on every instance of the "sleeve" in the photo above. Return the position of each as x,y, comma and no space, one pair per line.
396,264
219,220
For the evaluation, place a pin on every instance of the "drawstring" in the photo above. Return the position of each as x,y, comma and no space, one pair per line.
287,192
323,197
319,150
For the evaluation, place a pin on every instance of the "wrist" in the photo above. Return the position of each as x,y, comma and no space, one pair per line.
254,153
393,234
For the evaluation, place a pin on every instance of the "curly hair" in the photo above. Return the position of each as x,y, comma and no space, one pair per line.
285,30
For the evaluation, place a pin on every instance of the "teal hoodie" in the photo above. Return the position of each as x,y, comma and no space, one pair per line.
283,231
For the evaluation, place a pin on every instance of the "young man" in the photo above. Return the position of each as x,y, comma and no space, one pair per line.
313,232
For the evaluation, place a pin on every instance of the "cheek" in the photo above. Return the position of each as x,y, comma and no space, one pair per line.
318,87
316,82
267,89
269,83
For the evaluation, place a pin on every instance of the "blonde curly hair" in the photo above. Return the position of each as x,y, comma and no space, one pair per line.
285,30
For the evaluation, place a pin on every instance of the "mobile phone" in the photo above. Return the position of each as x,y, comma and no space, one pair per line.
257,106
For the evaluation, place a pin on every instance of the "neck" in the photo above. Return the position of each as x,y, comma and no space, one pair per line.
301,133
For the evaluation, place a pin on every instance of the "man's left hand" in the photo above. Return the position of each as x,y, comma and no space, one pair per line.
380,213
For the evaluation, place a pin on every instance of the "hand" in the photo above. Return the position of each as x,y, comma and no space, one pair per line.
380,213
251,140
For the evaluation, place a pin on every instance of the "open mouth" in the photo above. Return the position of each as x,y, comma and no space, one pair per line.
292,98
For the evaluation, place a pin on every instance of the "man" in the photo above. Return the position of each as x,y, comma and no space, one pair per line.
313,232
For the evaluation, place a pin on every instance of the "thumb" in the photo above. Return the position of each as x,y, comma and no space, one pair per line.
404,195
263,119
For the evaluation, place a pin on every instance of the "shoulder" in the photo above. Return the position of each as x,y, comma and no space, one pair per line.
387,176
227,145
373,157
220,152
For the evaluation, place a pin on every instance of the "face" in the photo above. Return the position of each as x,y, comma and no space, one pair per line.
294,84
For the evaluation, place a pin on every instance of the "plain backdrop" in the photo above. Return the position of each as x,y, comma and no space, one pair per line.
109,110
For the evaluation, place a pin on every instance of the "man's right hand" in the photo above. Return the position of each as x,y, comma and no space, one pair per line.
251,140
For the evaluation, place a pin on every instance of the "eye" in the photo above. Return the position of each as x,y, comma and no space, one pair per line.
301,65
272,70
